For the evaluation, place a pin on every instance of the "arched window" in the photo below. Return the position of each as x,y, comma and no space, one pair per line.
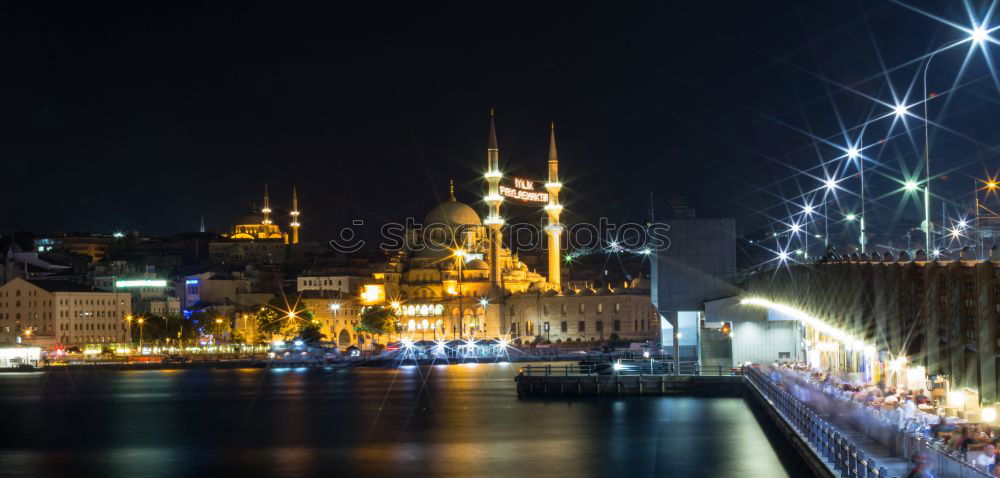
618,307
545,309
582,308
411,325
600,307
562,309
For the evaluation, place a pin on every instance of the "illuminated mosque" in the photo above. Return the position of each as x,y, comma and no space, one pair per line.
256,238
259,226
457,280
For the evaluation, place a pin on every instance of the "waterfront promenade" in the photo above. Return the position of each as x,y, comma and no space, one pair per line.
850,434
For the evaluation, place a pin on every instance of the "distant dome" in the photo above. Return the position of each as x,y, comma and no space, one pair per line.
477,265
248,219
453,214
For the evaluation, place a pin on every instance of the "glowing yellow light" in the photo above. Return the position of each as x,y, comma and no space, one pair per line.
373,293
988,414
395,304
553,207
553,185
956,398
459,252
991,185
493,174
897,364
823,327
493,197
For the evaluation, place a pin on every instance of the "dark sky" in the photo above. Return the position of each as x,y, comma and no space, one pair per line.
144,116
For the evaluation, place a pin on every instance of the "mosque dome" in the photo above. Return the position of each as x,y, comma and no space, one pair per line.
453,213
477,265
248,219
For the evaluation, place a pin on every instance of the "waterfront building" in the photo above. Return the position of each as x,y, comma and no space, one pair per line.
210,289
697,265
346,284
49,312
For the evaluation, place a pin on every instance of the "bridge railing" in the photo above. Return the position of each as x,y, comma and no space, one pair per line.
830,445
638,368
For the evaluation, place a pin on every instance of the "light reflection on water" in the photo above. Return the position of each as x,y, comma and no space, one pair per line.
421,421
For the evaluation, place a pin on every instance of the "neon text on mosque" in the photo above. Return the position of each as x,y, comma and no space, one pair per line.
524,190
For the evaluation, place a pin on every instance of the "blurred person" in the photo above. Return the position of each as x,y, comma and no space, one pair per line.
987,460
921,467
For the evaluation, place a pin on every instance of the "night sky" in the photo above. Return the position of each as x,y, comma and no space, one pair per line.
142,116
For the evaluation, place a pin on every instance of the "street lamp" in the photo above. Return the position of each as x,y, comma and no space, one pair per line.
911,186
977,35
141,321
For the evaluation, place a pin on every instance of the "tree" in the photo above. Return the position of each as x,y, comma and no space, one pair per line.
311,332
378,320
282,320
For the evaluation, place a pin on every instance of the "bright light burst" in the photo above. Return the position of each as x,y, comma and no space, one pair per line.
979,34
900,110
911,185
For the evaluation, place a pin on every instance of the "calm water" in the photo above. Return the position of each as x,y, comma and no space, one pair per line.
442,421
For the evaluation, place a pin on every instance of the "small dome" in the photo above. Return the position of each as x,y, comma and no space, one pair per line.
452,214
251,218
477,265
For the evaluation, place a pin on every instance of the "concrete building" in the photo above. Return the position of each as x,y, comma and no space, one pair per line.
209,289
699,264
756,335
95,246
340,283
63,312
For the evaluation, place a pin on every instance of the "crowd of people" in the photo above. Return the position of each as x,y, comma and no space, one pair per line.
847,395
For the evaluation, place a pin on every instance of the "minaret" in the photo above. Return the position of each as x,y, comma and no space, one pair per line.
267,207
553,229
493,199
201,228
295,216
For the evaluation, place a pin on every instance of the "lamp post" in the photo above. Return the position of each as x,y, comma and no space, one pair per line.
991,188
128,320
141,321
977,35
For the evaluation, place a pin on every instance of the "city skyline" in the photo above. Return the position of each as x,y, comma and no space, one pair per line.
218,113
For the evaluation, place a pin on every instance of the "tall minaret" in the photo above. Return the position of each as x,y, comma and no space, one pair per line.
295,216
201,227
493,199
553,229
267,207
